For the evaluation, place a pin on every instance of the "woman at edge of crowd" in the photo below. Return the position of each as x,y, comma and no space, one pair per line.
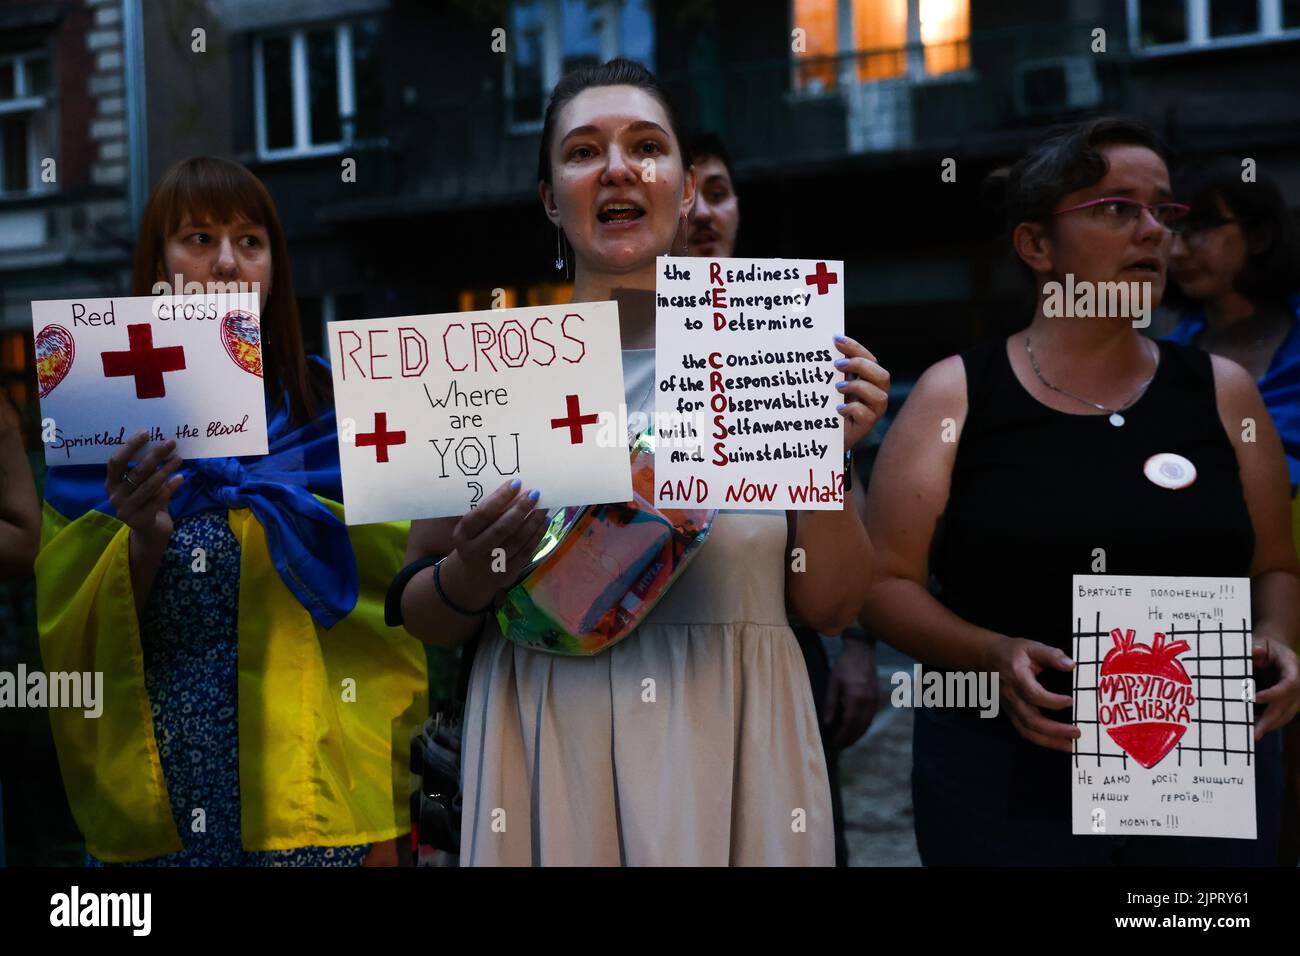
226,737
1237,268
723,769
1053,427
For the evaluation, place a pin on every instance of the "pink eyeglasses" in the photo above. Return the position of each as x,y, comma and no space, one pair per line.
1118,212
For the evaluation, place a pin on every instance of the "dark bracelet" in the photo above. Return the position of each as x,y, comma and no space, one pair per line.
393,601
437,583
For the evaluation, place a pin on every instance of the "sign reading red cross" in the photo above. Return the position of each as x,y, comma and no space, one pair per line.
575,421
381,437
144,361
822,279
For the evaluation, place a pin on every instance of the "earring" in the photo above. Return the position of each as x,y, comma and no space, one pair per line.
559,249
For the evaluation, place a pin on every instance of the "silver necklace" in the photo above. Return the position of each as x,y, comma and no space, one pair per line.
1116,418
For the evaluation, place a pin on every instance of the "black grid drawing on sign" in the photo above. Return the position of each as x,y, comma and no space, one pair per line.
1222,723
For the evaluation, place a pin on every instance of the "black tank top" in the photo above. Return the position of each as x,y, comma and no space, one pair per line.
1035,491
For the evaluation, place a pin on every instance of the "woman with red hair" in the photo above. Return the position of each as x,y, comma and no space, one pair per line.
255,710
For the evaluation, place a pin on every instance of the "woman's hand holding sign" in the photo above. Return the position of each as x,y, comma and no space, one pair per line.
140,497
866,393
1282,698
473,569
1018,662
509,520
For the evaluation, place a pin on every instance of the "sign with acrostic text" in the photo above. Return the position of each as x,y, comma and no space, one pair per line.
1164,693
746,399
436,411
186,367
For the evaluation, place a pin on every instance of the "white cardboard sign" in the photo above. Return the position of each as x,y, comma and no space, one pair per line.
746,399
1164,694
436,411
183,367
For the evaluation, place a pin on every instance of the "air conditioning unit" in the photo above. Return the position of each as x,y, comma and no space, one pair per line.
1050,87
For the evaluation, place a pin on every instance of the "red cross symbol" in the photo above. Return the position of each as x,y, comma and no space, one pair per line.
821,279
574,422
381,437
144,361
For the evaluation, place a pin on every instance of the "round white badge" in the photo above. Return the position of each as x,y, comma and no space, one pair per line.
1169,470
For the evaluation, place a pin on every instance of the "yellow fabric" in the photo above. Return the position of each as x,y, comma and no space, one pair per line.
316,767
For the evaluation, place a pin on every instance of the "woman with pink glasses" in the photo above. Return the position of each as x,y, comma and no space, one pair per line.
1021,462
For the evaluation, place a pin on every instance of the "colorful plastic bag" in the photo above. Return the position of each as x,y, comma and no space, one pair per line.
600,569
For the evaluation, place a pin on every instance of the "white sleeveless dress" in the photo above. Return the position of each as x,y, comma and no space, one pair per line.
566,762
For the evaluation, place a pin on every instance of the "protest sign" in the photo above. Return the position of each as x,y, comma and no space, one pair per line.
746,399
182,367
1164,694
436,411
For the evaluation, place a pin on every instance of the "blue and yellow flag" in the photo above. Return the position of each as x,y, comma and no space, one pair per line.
329,696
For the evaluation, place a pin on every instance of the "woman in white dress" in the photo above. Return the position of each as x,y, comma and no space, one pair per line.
570,760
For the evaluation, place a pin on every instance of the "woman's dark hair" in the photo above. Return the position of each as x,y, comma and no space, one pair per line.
204,189
617,72
1272,270
1069,159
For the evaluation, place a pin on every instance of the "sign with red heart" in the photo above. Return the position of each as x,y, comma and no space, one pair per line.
1164,700
1146,697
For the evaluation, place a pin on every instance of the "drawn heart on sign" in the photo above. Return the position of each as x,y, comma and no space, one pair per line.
55,351
1144,696
241,334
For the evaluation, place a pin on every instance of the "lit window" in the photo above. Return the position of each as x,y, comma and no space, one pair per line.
540,293
815,66
317,89
480,300
945,32
879,46
25,121
880,37
549,38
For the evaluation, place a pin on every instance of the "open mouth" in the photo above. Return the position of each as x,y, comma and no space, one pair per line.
1144,265
613,212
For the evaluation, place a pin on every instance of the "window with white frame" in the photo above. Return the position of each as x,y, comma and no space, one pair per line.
317,88
25,124
549,38
1160,25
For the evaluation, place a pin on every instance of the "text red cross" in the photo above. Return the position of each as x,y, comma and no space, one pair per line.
575,421
821,279
381,437
144,361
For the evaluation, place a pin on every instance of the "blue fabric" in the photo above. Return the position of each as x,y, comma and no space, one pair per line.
1280,386
309,546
